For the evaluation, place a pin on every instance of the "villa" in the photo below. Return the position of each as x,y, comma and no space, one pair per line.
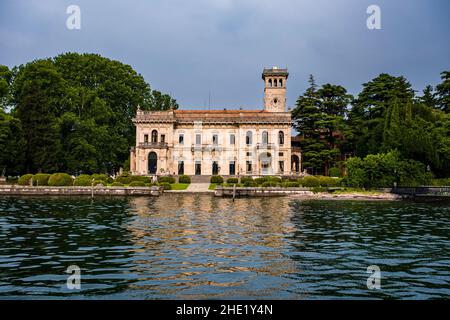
219,142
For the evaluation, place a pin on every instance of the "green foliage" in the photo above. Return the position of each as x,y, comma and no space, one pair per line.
184,179
335,172
25,180
290,184
385,169
41,179
443,92
117,184
233,180
83,180
103,177
137,184
165,185
329,182
318,189
127,179
248,182
12,144
167,179
270,184
261,180
60,179
441,182
246,179
310,182
216,179
100,183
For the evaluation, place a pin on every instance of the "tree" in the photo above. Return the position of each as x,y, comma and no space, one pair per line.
443,92
428,97
12,144
6,77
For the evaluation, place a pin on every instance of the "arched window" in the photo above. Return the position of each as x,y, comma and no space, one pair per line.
275,84
265,137
281,82
270,83
248,137
154,136
281,137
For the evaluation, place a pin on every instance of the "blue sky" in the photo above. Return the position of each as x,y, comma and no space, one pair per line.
192,48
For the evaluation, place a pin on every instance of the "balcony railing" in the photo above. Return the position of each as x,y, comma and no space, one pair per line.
153,145
206,147
265,145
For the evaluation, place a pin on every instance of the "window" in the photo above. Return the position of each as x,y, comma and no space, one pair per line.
198,139
280,154
215,139
180,167
232,168
281,137
265,137
154,136
249,166
249,154
181,139
281,82
270,83
281,166
232,139
248,138
275,83
163,138
146,138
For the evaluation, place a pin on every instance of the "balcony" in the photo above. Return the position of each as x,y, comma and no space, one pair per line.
265,146
153,145
206,147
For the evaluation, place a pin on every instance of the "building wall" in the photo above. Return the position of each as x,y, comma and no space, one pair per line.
207,152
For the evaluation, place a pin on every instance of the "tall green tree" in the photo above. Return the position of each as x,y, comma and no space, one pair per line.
443,92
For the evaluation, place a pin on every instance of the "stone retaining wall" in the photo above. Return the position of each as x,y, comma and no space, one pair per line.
76,191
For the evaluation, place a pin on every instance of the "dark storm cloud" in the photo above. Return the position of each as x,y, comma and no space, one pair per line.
191,48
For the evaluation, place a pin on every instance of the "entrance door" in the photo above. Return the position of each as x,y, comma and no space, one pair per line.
266,160
152,163
232,168
198,169
215,168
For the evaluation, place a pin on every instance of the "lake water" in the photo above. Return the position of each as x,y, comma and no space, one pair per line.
180,246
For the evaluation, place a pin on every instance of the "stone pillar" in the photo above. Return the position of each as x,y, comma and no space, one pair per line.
133,161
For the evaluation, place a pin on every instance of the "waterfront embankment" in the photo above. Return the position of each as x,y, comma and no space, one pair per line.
16,190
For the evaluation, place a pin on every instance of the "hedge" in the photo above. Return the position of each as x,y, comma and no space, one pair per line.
60,179
310,182
216,179
103,177
165,185
126,179
168,179
25,180
335,172
117,184
184,179
246,179
83,180
249,183
329,182
270,184
232,180
137,184
290,184
41,179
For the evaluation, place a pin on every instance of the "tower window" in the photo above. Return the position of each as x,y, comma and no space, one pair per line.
281,82
198,139
215,139
154,136
181,139
265,137
275,84
232,139
248,138
270,83
146,138
281,137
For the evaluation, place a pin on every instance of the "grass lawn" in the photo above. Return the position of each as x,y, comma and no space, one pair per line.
179,186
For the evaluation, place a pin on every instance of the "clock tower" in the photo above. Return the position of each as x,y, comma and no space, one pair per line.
275,89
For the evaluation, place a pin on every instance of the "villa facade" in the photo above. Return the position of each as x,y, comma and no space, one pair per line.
219,142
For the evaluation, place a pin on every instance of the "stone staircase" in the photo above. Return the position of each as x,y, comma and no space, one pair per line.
200,179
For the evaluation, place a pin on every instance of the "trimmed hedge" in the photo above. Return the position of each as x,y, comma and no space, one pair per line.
310,182
165,185
261,180
329,182
167,179
100,182
25,180
127,179
232,180
290,184
137,184
117,184
83,180
270,184
246,179
60,179
216,179
41,179
184,179
103,177
249,183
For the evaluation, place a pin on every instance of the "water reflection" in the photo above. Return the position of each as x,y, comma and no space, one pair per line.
199,246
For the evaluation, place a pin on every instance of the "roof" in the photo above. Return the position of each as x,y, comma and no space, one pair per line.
213,116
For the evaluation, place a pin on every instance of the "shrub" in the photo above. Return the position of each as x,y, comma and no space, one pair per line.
232,180
290,184
246,179
318,189
83,180
335,172
99,182
167,179
328,181
104,177
310,182
249,183
165,185
274,179
270,184
261,180
124,179
41,179
25,180
184,179
60,179
137,184
216,179
117,184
